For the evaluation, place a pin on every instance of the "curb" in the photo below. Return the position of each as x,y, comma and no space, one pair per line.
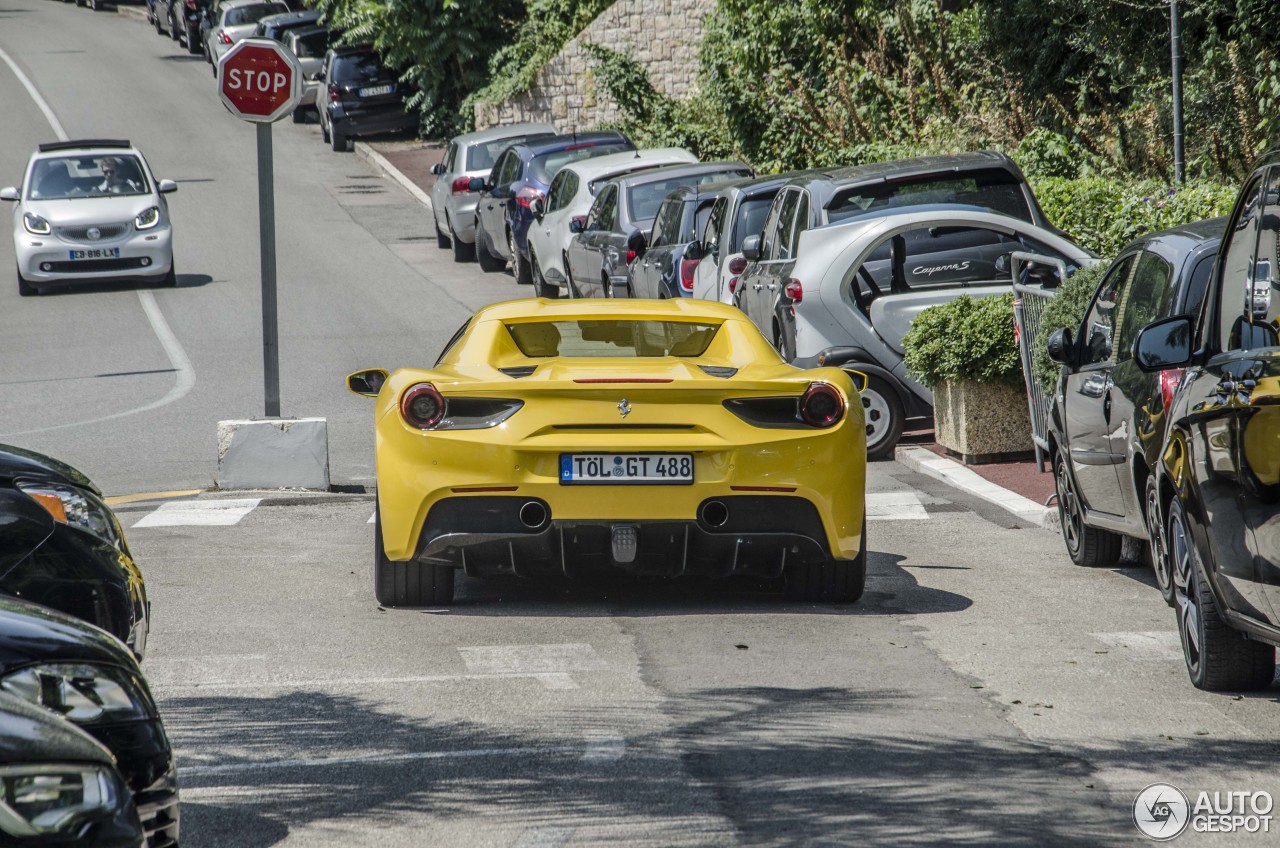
377,160
136,12
955,474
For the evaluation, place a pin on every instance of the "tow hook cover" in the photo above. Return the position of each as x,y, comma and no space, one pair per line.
626,538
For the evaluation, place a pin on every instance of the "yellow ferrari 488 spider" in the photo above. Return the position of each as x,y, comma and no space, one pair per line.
662,438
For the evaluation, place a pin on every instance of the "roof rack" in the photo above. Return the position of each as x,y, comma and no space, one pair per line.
82,144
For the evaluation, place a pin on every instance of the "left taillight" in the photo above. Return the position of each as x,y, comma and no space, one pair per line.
1169,381
631,256
527,194
460,185
794,291
422,406
687,267
335,93
822,405
223,37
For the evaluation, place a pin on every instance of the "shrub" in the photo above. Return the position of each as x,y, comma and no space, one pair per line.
965,339
1065,309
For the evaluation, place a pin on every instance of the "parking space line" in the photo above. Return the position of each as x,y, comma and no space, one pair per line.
895,506
190,772
213,513
550,680
531,659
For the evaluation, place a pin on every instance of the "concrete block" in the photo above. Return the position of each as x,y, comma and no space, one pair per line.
273,453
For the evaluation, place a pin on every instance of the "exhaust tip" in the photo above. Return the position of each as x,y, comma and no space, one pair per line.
714,514
533,515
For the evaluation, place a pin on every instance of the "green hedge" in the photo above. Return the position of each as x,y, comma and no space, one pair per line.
1065,309
1105,214
964,339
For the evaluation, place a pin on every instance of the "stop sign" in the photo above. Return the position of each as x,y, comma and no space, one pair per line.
259,80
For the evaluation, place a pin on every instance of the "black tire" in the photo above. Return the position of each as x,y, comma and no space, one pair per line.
169,280
462,252
337,141
544,289
489,261
1087,546
154,20
324,131
442,240
839,581
519,265
885,418
299,115
25,288
408,584
1157,551
1219,657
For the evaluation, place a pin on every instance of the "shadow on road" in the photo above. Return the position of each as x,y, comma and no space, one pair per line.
185,281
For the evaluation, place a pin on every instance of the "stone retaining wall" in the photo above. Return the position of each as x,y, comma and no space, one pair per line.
663,35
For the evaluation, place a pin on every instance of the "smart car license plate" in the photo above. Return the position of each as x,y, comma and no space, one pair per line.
375,90
620,469
96,253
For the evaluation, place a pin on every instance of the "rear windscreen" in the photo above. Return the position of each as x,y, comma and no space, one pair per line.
359,68
252,14
482,155
996,190
543,168
612,338
311,46
644,199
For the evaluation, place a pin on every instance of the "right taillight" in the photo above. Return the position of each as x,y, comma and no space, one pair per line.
733,284
1169,381
335,93
795,291
822,405
687,269
737,265
224,38
460,185
422,406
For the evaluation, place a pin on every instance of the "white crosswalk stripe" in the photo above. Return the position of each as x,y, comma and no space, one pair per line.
895,506
199,513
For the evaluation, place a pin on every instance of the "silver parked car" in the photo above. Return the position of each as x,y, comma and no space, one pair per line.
472,155
853,289
309,45
739,212
235,20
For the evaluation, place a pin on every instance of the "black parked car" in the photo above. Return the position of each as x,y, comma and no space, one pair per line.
61,546
1108,417
60,786
522,175
92,680
358,96
1219,471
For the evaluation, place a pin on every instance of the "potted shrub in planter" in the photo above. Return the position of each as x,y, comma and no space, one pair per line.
966,352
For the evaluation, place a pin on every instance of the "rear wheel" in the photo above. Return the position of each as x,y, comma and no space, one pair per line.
442,240
489,261
193,40
408,584
544,288
1087,546
1219,657
337,140
885,418
324,131
831,580
462,252
1156,548
299,115
519,265
25,288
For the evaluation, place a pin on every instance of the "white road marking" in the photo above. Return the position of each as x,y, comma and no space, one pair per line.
324,762
372,519
1145,646
185,375
217,513
895,506
544,837
550,680
530,659
604,747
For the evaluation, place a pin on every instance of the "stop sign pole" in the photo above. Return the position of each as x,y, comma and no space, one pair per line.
260,81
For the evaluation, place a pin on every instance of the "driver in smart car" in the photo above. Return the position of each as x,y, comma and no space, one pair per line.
116,177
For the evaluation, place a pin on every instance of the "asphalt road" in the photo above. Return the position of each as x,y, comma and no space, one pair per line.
983,692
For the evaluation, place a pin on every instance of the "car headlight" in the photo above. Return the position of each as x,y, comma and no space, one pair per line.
148,218
38,800
36,225
76,508
85,694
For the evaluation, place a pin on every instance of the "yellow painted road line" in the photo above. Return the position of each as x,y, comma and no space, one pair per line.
151,496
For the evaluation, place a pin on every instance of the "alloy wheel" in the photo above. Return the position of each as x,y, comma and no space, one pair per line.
1068,508
1160,565
1185,590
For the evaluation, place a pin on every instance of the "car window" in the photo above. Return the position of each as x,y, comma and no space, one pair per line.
1098,328
361,67
542,168
603,210
995,189
749,220
1238,272
666,226
481,155
311,45
1198,282
555,192
644,198
612,338
241,15
1262,305
711,230
1145,299
697,222
801,223
769,232
781,244
87,176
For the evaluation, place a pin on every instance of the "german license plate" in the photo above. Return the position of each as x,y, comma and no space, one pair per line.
621,469
375,90
96,253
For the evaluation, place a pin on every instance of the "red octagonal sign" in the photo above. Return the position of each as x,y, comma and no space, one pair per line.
259,80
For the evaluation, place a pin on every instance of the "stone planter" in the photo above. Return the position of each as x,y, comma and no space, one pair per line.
982,422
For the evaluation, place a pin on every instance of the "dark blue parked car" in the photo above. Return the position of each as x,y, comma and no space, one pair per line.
522,174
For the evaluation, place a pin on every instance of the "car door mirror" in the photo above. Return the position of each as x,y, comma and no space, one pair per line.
318,76
476,184
1164,344
577,223
166,187
637,243
751,248
694,251
536,208
1062,347
367,383
437,168
9,193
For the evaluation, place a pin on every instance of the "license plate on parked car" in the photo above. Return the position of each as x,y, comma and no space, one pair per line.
96,253
626,468
375,90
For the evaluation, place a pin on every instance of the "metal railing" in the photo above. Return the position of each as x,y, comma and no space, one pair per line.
1029,302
